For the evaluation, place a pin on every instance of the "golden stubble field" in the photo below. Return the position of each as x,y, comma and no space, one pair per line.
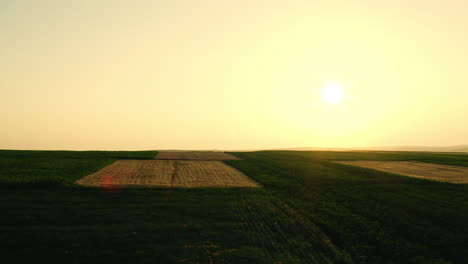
168,173
195,155
430,171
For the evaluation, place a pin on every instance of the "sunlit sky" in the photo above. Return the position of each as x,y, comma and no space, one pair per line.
244,74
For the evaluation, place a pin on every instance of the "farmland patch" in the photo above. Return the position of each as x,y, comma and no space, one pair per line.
168,173
195,155
430,171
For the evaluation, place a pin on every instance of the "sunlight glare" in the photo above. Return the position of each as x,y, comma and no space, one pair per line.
333,92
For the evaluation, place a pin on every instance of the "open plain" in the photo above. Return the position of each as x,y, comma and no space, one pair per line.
310,209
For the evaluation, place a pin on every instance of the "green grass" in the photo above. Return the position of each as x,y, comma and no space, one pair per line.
374,216
56,168
309,211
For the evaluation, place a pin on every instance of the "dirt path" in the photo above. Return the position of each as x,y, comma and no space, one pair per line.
431,171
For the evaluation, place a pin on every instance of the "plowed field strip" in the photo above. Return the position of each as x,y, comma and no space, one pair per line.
431,171
194,155
168,173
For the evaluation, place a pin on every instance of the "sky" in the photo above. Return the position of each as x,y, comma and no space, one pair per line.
244,74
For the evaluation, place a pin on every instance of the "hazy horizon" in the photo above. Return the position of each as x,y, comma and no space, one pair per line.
131,75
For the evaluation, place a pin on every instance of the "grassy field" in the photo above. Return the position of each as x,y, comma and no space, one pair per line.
56,168
309,211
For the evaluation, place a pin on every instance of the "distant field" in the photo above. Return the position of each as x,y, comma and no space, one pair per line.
195,155
424,170
168,173
310,210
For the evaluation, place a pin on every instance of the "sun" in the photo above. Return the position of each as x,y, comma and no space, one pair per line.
333,92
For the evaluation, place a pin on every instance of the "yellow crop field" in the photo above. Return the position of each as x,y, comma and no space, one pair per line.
195,155
131,173
209,174
169,173
431,171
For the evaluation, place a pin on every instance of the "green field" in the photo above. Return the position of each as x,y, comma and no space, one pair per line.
309,211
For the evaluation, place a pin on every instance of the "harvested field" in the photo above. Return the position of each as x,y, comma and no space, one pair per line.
431,171
194,155
209,174
168,173
131,173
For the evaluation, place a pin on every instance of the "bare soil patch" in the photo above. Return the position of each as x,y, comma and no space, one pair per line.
168,173
431,171
194,155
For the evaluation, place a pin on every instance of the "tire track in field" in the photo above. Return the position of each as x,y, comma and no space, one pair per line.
285,235
174,172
